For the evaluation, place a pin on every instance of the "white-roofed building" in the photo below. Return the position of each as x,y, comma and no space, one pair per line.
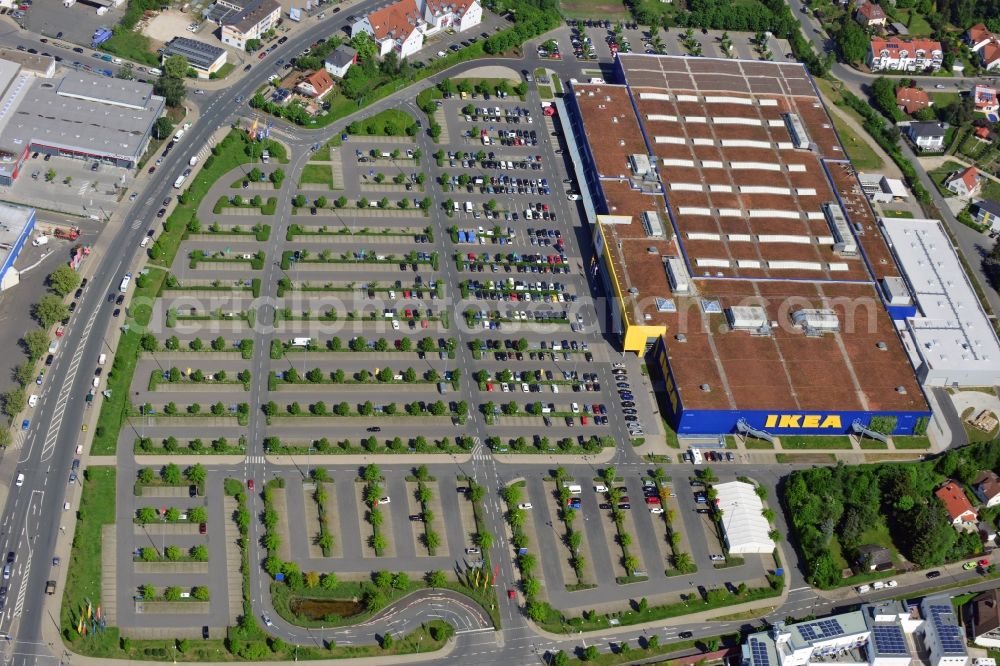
742,519
949,339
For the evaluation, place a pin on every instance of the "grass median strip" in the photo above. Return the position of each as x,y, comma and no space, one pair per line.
114,408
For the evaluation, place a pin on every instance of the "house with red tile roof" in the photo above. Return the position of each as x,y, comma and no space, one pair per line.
870,15
958,506
912,100
983,133
402,25
984,43
316,85
964,183
904,55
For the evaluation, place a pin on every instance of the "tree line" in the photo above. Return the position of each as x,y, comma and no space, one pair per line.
839,508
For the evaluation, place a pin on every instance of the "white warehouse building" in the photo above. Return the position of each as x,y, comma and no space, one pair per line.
742,518
947,334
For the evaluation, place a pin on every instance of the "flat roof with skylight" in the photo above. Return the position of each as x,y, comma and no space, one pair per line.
951,333
764,276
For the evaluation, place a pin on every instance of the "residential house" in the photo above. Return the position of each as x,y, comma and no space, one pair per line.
904,55
983,134
927,136
339,61
987,484
243,20
965,182
984,43
912,100
983,619
458,15
960,510
872,557
985,99
315,85
402,25
870,15
987,214
987,533
394,27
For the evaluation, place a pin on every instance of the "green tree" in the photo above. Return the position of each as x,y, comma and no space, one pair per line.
14,401
35,343
49,310
162,128
852,40
64,280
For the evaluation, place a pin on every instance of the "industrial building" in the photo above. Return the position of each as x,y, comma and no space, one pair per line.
946,331
16,225
78,115
735,244
887,633
746,528
205,59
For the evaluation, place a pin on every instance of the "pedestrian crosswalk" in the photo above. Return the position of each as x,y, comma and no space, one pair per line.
255,460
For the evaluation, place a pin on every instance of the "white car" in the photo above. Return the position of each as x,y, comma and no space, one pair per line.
656,510
524,505
717,558
144,242
384,500
267,619
575,407
891,583
33,400
66,506
395,324
20,479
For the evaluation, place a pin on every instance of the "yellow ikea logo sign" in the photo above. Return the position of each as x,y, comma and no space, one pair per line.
802,421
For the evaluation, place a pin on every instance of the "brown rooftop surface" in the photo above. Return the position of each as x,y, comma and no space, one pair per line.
788,369
710,198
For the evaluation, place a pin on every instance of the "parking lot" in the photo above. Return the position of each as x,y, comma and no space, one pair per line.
592,42
423,298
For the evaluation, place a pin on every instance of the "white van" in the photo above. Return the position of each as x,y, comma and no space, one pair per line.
574,489
101,359
193,160
468,206
180,181
301,342
179,134
600,488
53,346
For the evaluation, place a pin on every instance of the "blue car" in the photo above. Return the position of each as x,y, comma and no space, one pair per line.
25,424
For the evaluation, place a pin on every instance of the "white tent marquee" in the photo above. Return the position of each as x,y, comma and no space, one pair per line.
746,528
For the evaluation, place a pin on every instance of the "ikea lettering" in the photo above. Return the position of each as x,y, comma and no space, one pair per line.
803,421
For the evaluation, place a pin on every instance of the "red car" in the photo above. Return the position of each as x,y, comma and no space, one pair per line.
652,500
249,484
983,562
60,331
511,594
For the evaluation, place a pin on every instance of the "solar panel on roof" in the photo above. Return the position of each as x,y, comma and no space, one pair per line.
758,651
949,635
710,306
820,629
889,639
